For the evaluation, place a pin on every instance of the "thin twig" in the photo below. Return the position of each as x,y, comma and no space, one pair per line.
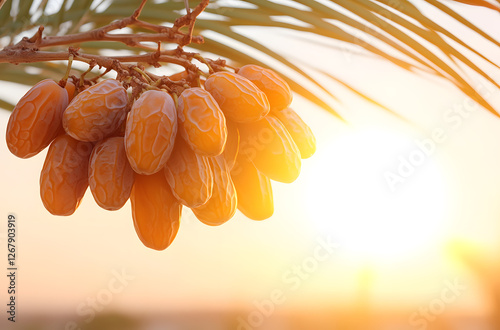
138,11
68,69
190,17
132,40
23,56
188,9
164,34
128,67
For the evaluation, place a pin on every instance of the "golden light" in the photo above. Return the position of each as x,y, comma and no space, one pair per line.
381,194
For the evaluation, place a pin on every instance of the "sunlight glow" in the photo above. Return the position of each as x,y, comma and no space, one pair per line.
350,198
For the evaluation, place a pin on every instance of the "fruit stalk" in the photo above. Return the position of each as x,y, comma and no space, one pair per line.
28,50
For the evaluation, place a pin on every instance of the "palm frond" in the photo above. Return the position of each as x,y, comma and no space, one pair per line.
397,31
480,3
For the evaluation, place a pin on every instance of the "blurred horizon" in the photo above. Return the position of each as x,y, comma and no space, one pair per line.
398,250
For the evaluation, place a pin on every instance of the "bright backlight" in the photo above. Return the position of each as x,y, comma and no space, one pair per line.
350,196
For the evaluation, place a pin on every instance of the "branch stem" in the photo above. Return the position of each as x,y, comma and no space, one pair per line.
20,56
129,68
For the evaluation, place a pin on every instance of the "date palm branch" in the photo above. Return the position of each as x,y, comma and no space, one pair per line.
397,31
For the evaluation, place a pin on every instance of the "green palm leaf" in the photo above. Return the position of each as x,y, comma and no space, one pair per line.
411,40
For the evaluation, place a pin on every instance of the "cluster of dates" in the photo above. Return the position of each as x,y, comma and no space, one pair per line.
213,148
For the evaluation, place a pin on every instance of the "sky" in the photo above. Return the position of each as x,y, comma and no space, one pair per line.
398,233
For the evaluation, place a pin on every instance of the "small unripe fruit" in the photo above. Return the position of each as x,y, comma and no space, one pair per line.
70,89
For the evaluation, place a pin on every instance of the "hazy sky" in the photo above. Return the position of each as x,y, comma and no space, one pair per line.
342,193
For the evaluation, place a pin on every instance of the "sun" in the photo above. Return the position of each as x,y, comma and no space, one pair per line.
381,202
